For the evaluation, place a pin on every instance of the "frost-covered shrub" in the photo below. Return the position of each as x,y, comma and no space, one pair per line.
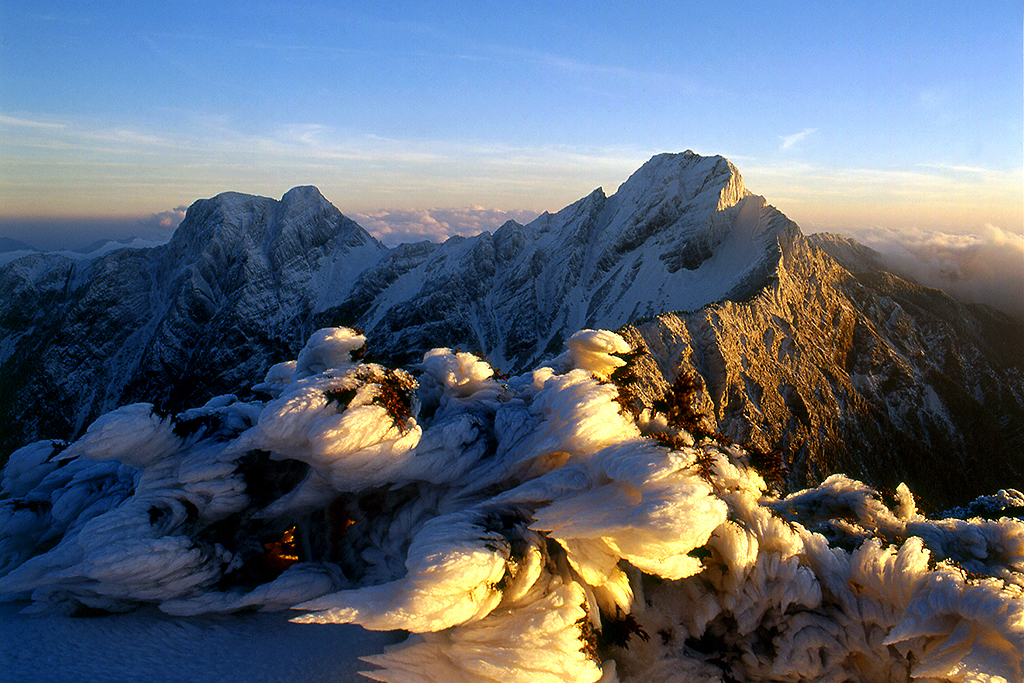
521,529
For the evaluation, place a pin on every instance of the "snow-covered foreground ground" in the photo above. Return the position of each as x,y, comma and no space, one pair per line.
147,645
537,528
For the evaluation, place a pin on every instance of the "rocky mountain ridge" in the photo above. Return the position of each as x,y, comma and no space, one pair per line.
227,296
802,344
680,233
861,373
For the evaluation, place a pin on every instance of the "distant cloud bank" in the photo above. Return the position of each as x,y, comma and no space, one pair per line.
160,226
395,226
61,233
984,267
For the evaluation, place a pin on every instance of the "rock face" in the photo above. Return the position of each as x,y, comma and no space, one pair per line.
802,344
858,372
232,292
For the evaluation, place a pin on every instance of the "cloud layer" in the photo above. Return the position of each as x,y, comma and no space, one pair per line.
160,226
394,226
983,267
71,233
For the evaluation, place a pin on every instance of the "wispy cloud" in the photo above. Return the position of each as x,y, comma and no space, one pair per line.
955,167
129,137
27,123
311,48
144,166
312,143
790,140
568,65
577,67
920,181
63,18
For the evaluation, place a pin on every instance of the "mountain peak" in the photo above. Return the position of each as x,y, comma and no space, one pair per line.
217,215
307,198
302,217
303,193
684,177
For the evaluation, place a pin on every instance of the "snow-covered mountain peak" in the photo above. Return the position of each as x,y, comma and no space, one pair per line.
676,201
300,222
224,217
684,193
303,210
304,203
682,177
304,194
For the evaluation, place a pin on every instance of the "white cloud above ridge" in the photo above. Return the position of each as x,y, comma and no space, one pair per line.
160,226
396,226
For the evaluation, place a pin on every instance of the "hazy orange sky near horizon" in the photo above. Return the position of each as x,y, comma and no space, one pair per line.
817,199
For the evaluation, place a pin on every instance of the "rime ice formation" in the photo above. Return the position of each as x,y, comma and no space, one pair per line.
542,527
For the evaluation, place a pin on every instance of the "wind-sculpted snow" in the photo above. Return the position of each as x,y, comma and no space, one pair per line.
534,528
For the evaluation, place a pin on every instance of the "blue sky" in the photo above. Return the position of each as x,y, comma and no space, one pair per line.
886,115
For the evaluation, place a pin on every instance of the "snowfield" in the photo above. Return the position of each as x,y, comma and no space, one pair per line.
533,528
148,645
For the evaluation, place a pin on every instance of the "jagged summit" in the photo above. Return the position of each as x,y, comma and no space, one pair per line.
302,215
303,194
680,233
683,177
659,192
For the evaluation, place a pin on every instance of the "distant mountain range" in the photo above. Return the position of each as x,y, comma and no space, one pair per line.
12,249
7,245
803,345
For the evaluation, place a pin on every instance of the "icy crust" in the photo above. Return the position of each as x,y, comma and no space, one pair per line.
521,529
